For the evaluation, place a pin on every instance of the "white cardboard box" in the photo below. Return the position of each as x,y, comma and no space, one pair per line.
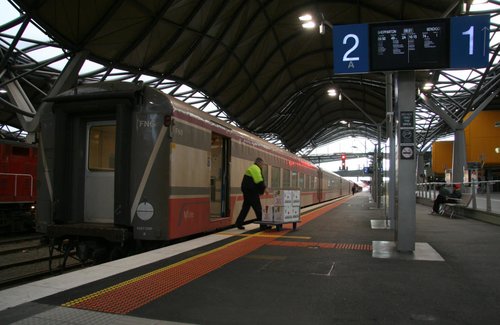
278,214
267,213
282,197
296,198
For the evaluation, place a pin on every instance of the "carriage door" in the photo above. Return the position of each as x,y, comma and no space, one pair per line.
100,172
219,176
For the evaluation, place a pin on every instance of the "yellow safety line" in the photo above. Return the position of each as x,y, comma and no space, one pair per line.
259,235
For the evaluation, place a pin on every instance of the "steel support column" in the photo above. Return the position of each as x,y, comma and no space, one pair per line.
459,157
405,230
392,150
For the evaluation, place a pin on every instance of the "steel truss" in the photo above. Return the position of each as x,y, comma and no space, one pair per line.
32,66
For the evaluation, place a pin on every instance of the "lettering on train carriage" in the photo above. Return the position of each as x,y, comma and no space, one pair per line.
146,124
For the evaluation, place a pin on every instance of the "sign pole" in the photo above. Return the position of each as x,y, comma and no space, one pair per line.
405,230
392,149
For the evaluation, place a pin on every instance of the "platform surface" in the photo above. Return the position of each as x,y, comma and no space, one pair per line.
325,272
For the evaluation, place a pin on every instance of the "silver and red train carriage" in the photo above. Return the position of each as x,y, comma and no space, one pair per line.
18,164
128,162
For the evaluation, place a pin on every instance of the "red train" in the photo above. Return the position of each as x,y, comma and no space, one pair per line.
18,166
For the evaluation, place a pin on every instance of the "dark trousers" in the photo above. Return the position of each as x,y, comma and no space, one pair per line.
438,201
249,200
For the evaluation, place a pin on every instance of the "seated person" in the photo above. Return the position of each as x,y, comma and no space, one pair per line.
456,194
441,198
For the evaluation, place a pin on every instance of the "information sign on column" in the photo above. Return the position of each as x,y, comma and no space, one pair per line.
350,49
470,40
407,134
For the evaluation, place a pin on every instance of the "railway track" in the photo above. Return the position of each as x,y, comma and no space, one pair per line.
27,258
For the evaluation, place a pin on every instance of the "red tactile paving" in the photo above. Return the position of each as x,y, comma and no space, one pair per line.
132,294
362,247
129,295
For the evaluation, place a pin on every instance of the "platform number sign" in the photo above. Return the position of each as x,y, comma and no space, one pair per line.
350,44
469,37
457,43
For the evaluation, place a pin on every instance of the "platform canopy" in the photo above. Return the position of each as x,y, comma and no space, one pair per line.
252,58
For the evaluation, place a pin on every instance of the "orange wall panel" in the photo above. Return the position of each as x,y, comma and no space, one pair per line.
442,153
482,137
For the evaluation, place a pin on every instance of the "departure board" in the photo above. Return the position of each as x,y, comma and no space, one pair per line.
409,45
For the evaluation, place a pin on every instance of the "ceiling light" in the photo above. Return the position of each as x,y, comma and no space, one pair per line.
309,25
3,91
464,7
305,17
322,29
428,86
343,122
332,92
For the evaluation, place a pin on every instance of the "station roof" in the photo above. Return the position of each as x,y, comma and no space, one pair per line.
251,57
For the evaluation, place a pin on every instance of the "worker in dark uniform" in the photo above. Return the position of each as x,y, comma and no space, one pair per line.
252,186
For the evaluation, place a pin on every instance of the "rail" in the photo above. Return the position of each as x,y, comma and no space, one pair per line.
16,177
483,196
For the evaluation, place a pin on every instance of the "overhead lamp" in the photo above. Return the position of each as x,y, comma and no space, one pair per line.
343,122
332,92
428,86
322,28
3,91
306,17
309,25
307,21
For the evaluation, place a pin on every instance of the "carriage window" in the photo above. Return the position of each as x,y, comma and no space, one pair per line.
301,181
265,171
102,148
275,177
330,184
286,178
295,179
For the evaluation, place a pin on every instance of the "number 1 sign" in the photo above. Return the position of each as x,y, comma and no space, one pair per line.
470,41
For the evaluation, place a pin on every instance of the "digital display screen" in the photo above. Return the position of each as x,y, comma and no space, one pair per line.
409,45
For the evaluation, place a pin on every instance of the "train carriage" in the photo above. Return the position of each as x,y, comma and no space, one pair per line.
124,162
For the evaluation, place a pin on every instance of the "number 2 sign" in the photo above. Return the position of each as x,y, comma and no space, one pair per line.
351,44
470,39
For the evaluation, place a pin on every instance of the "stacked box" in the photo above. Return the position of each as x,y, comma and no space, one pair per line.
282,197
267,213
278,214
296,198
285,208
